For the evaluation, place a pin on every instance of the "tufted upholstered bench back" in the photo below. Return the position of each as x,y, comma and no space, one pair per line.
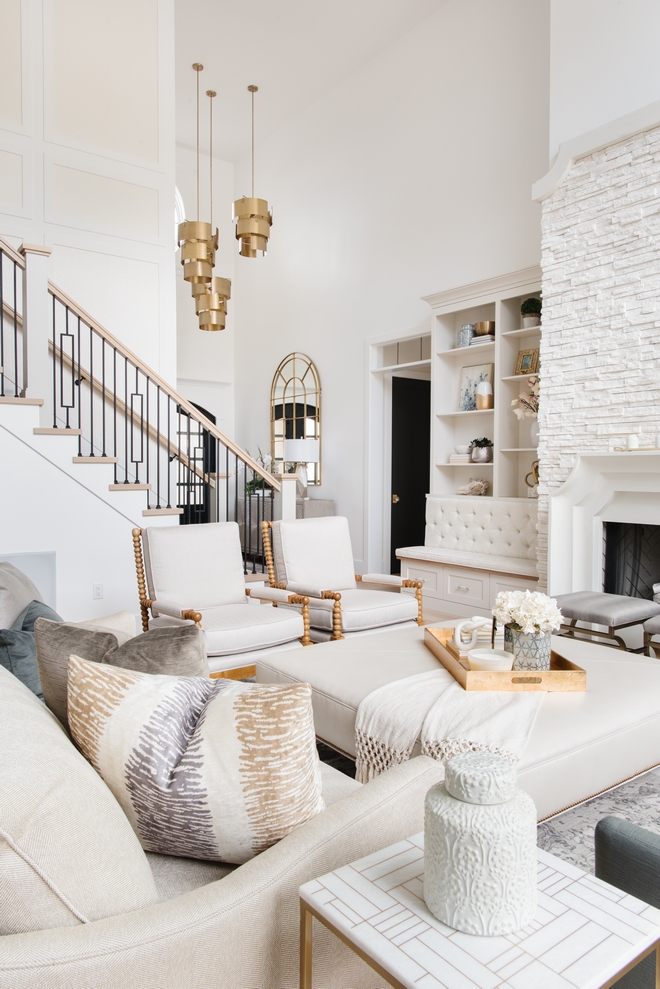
492,526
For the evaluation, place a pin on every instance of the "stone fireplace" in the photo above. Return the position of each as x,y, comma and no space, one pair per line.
600,347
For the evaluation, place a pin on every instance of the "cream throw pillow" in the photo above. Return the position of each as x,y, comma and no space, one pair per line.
206,769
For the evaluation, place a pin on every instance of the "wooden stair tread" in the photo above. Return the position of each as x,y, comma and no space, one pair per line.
14,400
162,511
96,460
130,486
52,431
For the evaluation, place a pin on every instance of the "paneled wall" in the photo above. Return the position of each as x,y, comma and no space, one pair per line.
87,157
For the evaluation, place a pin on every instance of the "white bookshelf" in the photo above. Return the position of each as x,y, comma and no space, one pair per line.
496,299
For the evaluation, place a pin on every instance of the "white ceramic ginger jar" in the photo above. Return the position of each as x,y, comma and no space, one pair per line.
480,847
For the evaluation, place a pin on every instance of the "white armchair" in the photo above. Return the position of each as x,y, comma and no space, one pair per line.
314,558
195,573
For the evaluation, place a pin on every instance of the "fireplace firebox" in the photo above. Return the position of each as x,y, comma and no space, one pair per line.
631,559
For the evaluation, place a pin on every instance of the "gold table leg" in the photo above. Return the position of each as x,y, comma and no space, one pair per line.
306,948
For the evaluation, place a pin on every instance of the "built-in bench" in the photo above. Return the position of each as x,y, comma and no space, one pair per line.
473,549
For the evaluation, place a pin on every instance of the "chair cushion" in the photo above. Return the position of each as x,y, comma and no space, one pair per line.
67,851
197,566
16,593
209,769
314,553
237,628
606,609
179,651
365,609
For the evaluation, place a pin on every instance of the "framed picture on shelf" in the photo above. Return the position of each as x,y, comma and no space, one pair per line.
528,361
470,378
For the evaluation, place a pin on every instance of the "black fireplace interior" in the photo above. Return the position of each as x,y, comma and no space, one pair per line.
632,559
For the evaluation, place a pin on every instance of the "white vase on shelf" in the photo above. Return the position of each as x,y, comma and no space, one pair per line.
534,433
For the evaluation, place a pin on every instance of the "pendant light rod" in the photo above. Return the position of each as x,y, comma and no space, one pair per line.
253,90
211,93
197,66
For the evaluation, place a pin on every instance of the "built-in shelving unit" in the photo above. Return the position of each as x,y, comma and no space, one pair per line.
497,299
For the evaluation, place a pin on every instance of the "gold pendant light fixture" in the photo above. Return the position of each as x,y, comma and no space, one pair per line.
252,215
199,243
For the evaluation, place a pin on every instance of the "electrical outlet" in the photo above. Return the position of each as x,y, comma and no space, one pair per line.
97,592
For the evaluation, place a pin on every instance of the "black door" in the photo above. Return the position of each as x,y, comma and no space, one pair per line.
411,452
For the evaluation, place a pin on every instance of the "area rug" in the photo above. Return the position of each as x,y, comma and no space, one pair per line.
570,835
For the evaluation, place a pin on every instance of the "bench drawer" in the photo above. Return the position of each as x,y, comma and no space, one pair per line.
498,584
469,587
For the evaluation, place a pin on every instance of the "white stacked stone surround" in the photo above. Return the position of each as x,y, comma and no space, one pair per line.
601,314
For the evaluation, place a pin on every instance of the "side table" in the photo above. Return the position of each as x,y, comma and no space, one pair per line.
585,934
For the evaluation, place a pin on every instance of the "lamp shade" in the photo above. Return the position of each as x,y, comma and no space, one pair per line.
301,451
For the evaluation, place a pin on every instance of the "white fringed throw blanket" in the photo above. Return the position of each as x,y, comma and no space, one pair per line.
448,719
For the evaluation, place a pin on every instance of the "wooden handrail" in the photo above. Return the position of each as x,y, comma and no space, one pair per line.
186,406
12,253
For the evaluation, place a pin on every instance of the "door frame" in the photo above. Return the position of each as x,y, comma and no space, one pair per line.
378,447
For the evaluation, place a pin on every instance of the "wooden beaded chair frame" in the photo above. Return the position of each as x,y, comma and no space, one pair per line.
196,616
337,624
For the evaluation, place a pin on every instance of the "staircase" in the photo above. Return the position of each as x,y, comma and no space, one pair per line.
81,402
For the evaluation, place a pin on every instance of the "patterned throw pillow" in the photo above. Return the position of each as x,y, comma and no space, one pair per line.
207,769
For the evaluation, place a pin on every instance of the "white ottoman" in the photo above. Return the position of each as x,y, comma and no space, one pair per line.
581,743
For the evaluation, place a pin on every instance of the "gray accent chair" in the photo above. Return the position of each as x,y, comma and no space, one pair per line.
628,857
613,611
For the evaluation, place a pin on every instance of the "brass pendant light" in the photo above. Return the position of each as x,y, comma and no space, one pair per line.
252,215
196,240
198,246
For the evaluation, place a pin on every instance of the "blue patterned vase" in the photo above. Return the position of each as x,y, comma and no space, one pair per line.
531,651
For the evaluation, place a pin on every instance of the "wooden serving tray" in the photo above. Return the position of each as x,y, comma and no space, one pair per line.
562,675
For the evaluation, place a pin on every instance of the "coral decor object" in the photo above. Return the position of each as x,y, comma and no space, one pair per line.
475,486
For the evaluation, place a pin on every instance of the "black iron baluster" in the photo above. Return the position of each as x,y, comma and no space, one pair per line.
91,390
125,421
16,389
114,409
80,389
158,454
103,394
54,366
147,454
169,454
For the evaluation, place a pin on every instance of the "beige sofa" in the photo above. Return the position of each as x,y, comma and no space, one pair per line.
207,925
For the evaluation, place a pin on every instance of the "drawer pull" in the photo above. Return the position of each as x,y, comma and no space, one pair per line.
462,587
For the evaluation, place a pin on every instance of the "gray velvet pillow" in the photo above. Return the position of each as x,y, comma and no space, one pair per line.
174,651
17,650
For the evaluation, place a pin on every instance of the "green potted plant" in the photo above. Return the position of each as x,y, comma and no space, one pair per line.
530,311
482,450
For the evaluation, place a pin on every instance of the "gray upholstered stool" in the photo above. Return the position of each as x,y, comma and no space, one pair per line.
614,611
651,628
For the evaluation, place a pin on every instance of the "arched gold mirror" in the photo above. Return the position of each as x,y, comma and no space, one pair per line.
295,417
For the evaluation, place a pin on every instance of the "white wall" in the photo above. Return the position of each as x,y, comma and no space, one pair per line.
47,511
603,63
205,359
87,157
411,177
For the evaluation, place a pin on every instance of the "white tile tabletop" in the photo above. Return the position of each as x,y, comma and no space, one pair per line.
584,932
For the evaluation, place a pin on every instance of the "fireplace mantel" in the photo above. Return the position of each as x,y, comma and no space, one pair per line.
603,487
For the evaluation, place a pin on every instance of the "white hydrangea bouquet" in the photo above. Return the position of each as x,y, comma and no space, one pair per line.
527,611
